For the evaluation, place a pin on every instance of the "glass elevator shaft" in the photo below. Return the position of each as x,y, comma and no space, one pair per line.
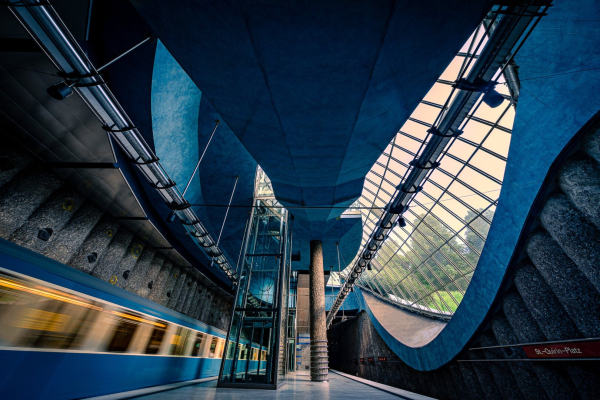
255,355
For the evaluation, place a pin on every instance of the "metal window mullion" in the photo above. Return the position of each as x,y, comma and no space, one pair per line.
430,257
458,199
408,135
443,255
482,148
454,234
487,208
440,220
471,188
474,168
434,215
398,285
488,123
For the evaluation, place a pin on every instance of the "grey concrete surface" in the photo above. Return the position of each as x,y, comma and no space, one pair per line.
138,284
202,291
167,291
191,297
18,159
112,256
20,197
581,301
96,242
579,178
549,314
298,386
52,215
134,253
185,291
409,328
73,234
578,238
159,288
178,288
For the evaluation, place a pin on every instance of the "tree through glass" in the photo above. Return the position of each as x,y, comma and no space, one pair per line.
428,264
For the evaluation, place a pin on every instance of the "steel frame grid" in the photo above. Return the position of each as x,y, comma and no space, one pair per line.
361,277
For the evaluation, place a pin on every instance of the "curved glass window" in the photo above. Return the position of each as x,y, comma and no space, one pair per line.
428,264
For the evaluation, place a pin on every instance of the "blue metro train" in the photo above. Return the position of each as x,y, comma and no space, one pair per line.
65,335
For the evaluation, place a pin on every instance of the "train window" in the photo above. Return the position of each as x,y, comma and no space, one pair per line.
243,352
254,354
179,340
38,316
198,344
156,338
221,348
231,350
213,347
263,355
126,327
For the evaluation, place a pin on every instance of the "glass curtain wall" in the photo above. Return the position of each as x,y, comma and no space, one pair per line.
256,339
428,264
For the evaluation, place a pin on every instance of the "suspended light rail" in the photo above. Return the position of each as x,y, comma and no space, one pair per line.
44,25
508,29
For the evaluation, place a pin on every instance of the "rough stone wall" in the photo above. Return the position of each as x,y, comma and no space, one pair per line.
42,213
553,294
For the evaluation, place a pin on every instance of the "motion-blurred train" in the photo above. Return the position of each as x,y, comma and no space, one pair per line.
65,334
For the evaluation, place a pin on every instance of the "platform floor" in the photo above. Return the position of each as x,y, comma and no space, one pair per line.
297,386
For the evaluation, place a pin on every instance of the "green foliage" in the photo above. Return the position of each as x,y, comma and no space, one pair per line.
432,265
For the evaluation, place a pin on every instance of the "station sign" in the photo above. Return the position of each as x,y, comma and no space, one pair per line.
589,349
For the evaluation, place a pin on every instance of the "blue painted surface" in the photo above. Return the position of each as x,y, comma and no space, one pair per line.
21,260
183,122
351,303
60,375
66,375
316,103
550,112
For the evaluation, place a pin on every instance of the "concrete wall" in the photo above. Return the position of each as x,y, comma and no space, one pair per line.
42,213
551,293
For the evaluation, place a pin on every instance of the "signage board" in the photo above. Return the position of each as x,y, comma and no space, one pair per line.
564,350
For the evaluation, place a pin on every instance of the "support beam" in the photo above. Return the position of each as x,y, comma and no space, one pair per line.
318,330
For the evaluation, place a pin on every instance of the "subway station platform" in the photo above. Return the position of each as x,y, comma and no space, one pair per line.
298,386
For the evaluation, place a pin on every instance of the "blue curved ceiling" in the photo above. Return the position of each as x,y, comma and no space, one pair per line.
314,104
313,90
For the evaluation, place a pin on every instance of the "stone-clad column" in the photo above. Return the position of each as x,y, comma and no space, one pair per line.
318,329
